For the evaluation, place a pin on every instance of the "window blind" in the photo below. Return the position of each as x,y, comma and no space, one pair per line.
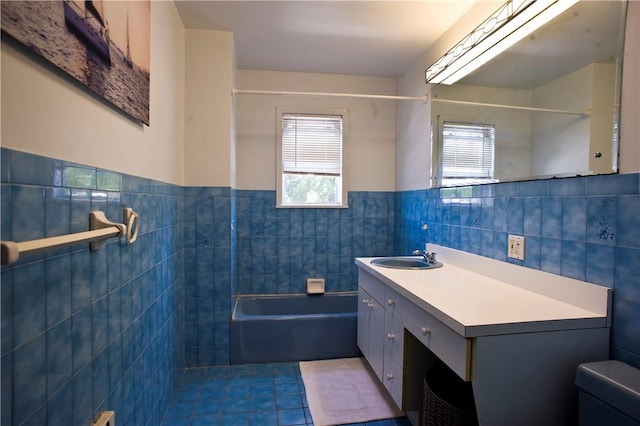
467,150
312,144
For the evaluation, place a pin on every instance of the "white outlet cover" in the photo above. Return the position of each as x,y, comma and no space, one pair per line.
515,247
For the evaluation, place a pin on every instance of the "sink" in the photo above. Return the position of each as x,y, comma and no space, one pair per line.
404,263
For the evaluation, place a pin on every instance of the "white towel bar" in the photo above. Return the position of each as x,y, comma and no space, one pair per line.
106,418
101,228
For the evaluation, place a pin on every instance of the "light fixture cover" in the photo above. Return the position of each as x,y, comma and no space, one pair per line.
506,26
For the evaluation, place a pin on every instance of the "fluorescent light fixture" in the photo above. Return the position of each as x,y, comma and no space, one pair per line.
515,20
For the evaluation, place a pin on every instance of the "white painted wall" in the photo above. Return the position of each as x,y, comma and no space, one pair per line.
370,151
209,127
45,114
630,105
564,143
558,139
603,100
413,152
413,130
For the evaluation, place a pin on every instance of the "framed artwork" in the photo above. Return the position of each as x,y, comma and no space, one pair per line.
105,45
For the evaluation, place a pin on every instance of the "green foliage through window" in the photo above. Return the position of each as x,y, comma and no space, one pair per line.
310,189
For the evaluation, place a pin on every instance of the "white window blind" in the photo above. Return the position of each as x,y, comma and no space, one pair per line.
312,144
468,150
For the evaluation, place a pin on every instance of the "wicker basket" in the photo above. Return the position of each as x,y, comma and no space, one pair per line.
448,400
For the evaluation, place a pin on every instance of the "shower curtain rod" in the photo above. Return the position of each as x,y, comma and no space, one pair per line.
424,98
343,95
586,113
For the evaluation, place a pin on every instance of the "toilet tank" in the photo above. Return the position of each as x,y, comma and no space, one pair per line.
609,394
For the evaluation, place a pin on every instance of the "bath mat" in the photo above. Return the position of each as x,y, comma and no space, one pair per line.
342,391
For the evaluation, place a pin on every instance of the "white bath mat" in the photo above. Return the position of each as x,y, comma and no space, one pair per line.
342,391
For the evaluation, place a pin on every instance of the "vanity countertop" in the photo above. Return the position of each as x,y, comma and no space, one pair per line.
474,304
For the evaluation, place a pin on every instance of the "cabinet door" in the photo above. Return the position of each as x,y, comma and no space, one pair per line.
371,330
363,321
376,337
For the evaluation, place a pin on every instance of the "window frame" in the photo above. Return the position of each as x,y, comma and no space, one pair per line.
438,148
312,111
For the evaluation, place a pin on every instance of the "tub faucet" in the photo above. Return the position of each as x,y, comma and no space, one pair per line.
428,257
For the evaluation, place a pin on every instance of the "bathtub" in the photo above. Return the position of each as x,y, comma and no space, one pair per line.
278,328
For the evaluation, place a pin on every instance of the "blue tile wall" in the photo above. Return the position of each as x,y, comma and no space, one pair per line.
237,242
586,228
278,249
209,274
85,331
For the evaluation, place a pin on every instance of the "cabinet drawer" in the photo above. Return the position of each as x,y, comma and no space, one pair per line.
371,285
392,379
390,300
393,339
453,349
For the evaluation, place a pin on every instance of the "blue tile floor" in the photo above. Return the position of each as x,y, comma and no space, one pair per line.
248,395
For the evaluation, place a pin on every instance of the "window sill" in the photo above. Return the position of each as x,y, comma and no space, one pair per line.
312,206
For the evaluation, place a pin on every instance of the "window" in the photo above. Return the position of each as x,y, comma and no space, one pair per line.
467,153
311,158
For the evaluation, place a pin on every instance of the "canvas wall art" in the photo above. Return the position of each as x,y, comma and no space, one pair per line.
105,45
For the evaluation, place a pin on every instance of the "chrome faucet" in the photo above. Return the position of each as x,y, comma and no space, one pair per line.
428,257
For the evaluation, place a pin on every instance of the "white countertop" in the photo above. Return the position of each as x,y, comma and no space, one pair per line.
474,304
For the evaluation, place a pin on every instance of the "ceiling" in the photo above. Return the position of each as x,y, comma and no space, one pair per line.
371,38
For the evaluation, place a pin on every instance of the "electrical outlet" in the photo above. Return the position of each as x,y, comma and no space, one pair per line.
515,247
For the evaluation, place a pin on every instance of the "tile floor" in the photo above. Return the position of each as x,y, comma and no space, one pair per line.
249,395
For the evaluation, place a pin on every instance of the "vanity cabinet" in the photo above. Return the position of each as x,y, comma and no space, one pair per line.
445,343
383,315
380,336
519,344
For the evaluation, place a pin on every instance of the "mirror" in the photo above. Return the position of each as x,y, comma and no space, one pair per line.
552,101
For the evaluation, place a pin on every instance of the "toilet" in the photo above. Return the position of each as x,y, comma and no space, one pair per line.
609,394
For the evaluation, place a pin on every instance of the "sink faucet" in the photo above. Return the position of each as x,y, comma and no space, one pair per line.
428,257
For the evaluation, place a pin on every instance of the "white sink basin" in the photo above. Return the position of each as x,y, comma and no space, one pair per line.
405,263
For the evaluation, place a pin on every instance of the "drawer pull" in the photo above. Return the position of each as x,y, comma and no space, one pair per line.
425,331
389,376
391,336
391,302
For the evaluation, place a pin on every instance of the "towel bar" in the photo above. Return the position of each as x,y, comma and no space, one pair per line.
100,229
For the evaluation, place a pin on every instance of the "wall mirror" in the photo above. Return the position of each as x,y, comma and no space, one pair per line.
546,107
